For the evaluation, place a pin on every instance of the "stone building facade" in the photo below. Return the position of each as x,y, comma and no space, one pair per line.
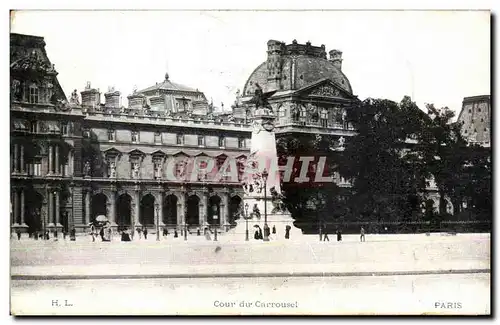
73,160
476,118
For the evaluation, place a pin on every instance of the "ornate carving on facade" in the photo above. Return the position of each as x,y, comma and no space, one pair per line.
326,91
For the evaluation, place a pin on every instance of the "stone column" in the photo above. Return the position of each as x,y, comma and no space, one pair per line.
70,164
15,157
57,167
87,207
225,211
16,207
50,160
58,217
180,209
50,210
112,213
136,212
22,159
160,210
23,222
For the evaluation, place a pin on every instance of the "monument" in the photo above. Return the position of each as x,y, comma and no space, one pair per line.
261,181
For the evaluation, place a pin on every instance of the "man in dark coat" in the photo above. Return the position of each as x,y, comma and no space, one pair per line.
72,234
145,233
325,234
339,235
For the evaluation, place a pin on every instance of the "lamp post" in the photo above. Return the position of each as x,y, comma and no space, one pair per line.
185,213
246,220
157,209
265,174
216,218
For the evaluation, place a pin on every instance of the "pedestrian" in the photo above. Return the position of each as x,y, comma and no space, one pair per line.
207,234
260,234
176,234
139,231
267,231
198,232
18,234
325,234
110,233
101,233
72,234
47,235
362,237
64,234
339,235
165,232
274,230
145,233
55,235
287,232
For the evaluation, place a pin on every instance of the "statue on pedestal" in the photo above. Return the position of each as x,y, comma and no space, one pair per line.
86,168
74,98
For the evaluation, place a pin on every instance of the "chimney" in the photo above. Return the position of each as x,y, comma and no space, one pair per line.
274,64
112,98
336,58
90,97
136,100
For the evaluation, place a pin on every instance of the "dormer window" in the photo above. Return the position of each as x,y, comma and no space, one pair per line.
33,94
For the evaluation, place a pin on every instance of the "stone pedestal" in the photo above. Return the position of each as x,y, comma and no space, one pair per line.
264,156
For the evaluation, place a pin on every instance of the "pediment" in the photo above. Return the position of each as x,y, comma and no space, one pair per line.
112,152
158,153
325,88
136,152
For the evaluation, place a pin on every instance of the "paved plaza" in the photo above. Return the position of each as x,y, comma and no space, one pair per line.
199,257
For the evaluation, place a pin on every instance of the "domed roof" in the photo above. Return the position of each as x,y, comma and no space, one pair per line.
299,69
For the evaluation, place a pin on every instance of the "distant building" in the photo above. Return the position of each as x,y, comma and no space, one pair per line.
476,118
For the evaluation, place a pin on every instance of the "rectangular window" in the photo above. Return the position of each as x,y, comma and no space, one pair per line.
157,137
324,123
135,136
241,143
33,98
111,135
64,128
37,168
201,140
221,142
34,126
180,139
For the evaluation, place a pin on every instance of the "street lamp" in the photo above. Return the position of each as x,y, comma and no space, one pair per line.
265,174
246,220
157,208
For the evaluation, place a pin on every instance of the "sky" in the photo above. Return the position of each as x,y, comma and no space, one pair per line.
433,56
